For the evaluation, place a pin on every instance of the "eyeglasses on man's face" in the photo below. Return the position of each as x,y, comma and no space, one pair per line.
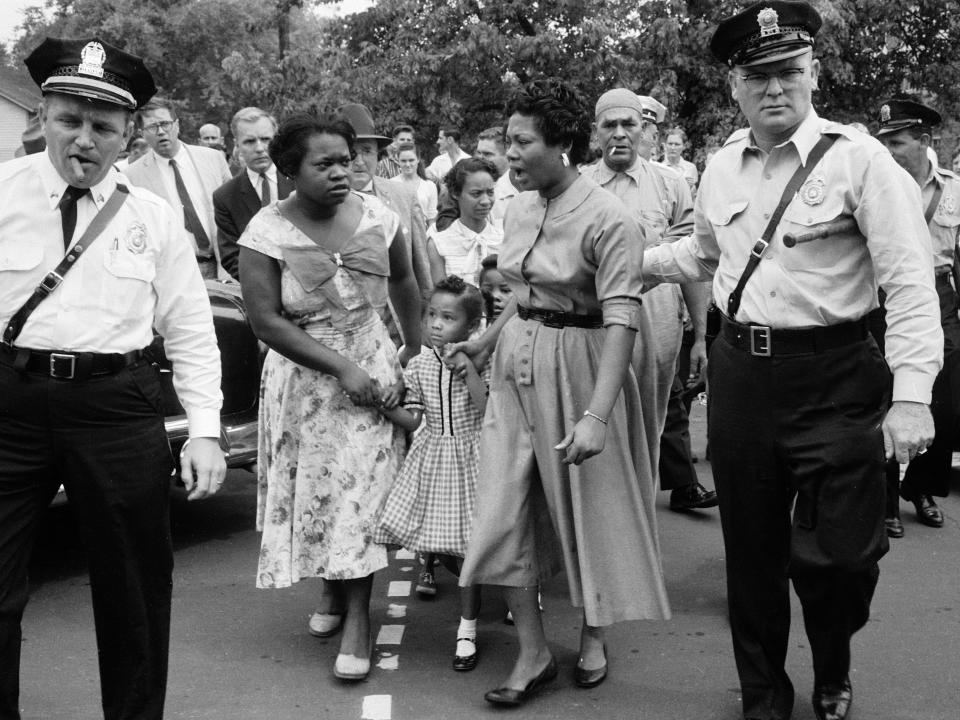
154,128
788,78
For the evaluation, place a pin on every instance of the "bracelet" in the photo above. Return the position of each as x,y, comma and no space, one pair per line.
596,417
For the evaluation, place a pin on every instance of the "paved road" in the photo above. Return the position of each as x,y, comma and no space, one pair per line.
242,653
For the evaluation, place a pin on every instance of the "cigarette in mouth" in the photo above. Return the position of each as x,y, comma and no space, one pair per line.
612,150
77,167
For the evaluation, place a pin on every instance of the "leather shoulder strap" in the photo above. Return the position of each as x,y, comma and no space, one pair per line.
756,254
54,278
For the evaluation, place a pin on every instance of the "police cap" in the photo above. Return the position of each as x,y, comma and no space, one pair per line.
91,68
897,115
653,110
766,32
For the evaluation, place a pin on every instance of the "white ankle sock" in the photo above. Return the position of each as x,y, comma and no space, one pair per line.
467,629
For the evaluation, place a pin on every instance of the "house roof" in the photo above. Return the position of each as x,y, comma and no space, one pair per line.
17,87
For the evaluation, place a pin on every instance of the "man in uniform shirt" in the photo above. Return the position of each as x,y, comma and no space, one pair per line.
800,396
80,401
238,200
906,128
660,200
183,175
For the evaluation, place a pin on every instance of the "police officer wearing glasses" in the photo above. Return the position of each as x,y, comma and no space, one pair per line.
799,220
88,267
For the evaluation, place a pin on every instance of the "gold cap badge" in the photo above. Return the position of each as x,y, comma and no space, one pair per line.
885,113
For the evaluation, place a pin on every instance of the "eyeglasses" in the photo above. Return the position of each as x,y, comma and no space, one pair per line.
154,128
788,78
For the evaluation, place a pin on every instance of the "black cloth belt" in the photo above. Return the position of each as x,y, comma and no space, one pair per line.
763,341
558,319
68,365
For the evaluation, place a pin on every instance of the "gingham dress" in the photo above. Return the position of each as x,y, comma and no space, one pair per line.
430,506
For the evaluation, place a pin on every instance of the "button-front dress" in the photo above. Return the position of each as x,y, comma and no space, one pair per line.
325,463
575,253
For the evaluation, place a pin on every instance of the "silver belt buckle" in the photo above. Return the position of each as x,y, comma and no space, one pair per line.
56,366
760,340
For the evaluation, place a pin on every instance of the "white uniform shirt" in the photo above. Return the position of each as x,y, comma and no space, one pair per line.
826,281
139,274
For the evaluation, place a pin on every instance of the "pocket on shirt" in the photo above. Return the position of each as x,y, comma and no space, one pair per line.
825,252
721,214
19,259
131,266
806,216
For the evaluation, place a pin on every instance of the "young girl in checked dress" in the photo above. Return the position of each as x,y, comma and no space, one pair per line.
430,505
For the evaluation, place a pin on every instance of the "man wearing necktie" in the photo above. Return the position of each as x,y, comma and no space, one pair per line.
80,399
258,184
184,175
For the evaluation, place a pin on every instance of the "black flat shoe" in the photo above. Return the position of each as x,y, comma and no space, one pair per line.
833,701
463,663
894,527
591,678
927,511
509,696
692,497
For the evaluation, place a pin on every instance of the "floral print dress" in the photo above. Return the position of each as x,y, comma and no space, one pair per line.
325,464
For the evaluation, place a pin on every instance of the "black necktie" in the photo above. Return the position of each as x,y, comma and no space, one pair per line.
264,190
68,212
190,220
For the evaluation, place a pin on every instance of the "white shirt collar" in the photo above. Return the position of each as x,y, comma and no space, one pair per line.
270,172
54,185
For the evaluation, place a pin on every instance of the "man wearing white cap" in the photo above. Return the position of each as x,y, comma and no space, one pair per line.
660,201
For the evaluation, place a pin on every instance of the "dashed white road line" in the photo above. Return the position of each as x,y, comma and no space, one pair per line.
405,555
390,634
398,588
376,707
396,611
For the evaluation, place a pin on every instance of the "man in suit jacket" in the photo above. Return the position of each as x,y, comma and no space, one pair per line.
396,197
184,175
258,184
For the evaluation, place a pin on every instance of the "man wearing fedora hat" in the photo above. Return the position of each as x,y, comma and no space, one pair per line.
801,416
906,129
80,396
395,196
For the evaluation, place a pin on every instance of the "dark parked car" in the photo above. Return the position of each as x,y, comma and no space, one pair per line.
241,358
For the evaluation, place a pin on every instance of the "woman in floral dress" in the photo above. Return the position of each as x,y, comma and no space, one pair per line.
316,270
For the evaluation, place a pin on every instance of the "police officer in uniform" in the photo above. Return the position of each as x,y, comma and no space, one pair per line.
800,405
906,128
80,402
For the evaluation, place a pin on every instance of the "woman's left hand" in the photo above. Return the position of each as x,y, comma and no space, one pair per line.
584,442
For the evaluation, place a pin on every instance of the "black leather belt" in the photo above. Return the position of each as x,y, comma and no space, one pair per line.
763,341
558,319
67,365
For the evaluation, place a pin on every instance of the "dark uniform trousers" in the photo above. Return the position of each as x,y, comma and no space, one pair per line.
104,440
798,433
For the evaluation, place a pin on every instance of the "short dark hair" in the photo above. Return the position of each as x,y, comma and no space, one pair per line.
496,135
561,113
155,103
289,145
402,129
451,132
469,296
457,176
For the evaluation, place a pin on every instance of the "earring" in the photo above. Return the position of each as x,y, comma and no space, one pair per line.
565,159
